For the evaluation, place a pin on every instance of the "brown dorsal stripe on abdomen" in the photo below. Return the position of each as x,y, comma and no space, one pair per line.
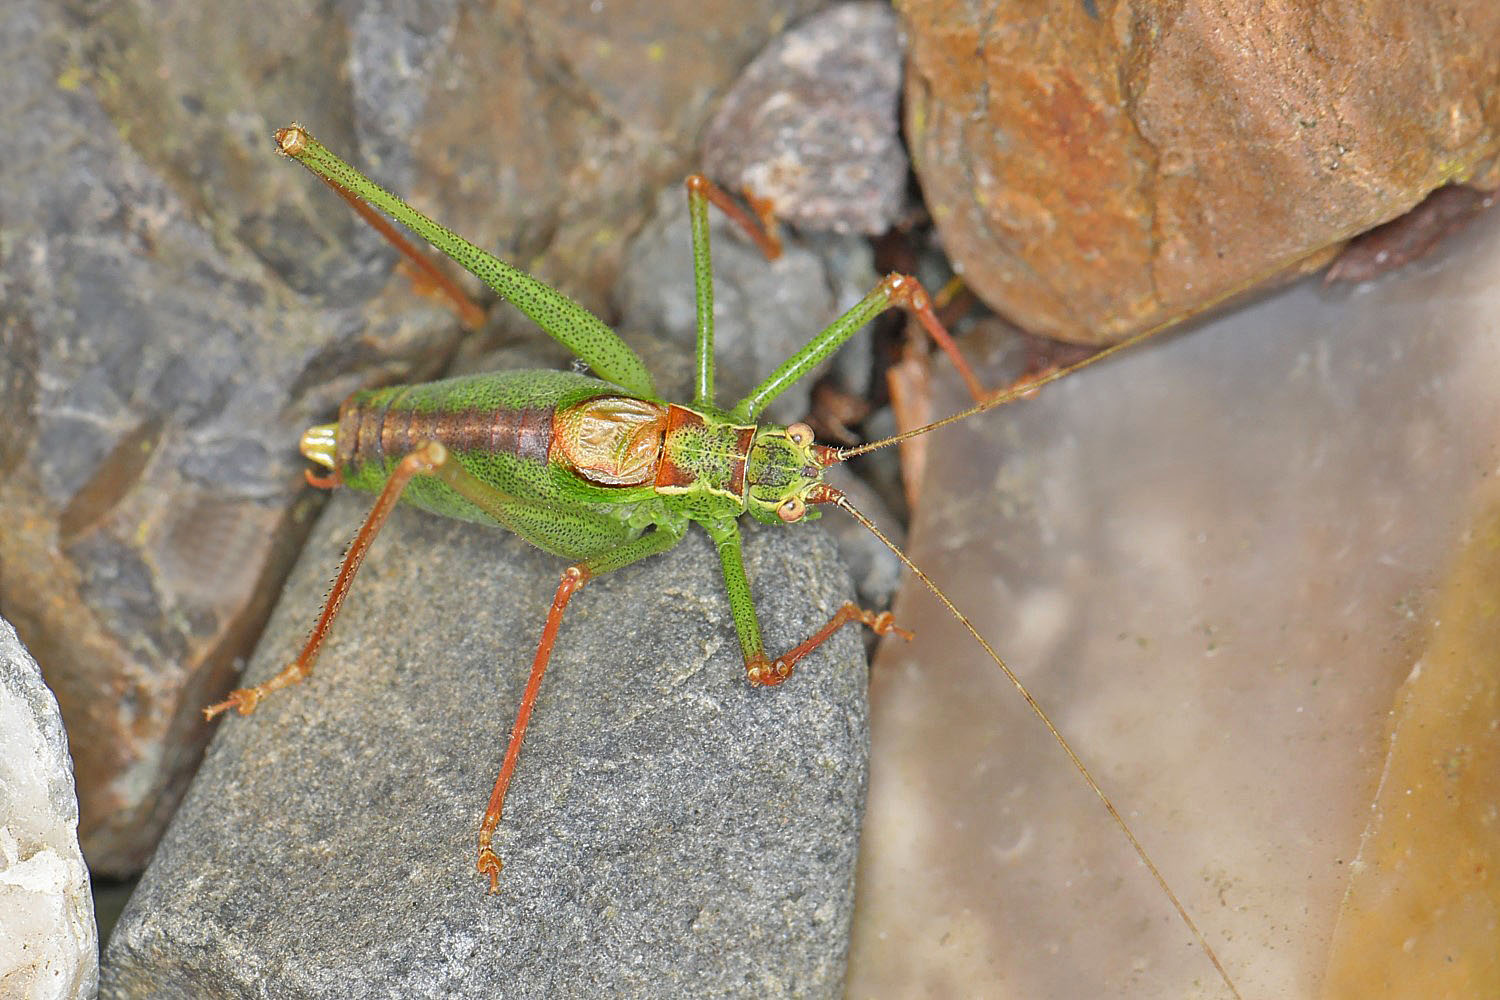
525,433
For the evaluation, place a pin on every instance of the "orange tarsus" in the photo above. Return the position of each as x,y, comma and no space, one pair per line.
324,481
761,232
908,293
885,624
765,672
488,863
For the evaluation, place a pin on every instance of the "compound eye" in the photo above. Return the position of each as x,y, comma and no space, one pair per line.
800,435
791,509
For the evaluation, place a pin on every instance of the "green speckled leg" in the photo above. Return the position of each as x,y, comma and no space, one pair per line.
703,288
429,279
702,191
565,321
726,536
896,290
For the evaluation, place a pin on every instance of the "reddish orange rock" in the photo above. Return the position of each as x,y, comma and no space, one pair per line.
1099,167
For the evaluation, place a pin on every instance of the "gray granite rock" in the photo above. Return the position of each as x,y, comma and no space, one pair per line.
811,125
671,831
48,950
154,370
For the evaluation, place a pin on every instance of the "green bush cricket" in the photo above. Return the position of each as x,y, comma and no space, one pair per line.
604,472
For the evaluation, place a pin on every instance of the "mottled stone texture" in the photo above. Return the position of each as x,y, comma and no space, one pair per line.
1096,168
1218,561
811,126
178,302
671,831
155,371
48,949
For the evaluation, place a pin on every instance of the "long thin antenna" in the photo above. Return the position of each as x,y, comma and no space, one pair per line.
843,501
1008,395
1028,386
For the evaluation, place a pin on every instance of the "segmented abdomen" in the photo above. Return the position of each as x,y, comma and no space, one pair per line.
371,434
516,431
499,414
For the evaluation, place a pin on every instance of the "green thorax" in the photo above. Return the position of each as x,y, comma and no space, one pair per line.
717,468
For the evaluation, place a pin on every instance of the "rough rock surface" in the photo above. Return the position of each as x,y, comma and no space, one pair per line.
178,303
154,371
1096,168
48,950
671,831
811,125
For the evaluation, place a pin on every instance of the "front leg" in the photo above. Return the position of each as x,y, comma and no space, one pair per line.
701,193
760,669
897,290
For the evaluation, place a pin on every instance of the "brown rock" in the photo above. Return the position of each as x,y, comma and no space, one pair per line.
551,127
1097,168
